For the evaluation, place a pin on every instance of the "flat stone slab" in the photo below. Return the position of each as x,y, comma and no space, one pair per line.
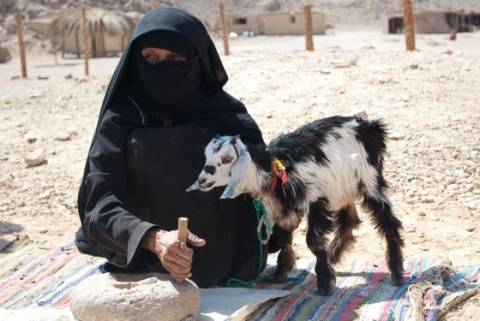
132,297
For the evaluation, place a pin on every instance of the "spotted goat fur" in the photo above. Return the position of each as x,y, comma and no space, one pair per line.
329,164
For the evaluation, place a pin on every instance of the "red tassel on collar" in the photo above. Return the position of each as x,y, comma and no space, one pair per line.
279,171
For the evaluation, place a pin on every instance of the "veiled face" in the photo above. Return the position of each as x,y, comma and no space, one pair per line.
155,55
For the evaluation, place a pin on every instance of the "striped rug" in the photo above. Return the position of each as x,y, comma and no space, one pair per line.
364,292
38,278
31,277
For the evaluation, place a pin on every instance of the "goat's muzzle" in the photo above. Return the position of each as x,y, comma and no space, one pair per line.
201,184
193,187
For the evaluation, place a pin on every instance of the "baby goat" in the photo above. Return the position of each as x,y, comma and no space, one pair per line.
318,170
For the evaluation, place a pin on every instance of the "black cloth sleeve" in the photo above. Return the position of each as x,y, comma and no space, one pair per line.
110,224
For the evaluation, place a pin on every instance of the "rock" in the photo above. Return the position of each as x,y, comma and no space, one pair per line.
63,137
4,55
411,229
361,114
472,206
35,158
34,94
427,199
132,297
31,137
44,195
396,136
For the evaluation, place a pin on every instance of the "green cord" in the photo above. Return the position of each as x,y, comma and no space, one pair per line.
261,209
249,284
231,283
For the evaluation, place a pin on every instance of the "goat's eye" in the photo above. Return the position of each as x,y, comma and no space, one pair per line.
227,159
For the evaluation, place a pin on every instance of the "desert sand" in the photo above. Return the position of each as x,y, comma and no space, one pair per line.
429,99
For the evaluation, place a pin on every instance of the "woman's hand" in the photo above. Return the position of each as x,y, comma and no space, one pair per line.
174,255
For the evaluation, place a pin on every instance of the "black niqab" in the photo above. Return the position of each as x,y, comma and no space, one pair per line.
213,108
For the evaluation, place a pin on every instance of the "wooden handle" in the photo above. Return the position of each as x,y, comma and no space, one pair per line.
182,229
182,232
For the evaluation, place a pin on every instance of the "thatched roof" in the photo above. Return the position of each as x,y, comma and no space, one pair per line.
112,22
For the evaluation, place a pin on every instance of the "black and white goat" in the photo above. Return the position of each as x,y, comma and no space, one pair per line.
318,170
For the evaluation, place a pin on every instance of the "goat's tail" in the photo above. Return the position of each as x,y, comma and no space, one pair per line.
374,135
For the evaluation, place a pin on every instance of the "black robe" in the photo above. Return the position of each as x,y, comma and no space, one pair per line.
138,169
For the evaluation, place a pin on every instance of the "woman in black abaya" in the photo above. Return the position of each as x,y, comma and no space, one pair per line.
163,105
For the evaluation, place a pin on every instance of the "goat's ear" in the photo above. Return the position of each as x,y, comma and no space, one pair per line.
238,180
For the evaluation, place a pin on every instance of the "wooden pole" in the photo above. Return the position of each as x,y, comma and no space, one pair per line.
223,17
408,25
307,12
201,17
21,44
85,40
182,232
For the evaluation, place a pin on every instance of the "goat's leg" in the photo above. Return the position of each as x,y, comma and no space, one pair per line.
345,222
319,225
389,226
286,257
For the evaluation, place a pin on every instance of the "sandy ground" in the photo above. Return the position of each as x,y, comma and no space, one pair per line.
428,97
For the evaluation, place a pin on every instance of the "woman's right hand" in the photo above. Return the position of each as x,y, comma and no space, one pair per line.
174,255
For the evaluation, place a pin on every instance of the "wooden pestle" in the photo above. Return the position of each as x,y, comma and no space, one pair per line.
182,232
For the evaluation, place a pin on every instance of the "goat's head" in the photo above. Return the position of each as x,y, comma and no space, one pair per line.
226,161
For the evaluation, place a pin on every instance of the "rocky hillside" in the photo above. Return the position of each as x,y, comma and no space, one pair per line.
341,14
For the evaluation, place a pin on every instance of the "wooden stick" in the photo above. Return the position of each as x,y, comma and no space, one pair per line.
224,20
307,13
85,40
408,25
21,44
182,232
182,229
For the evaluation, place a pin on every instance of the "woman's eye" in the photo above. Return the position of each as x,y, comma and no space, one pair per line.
151,59
176,58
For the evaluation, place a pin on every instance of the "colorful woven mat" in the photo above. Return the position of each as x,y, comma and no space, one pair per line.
31,277
37,278
364,292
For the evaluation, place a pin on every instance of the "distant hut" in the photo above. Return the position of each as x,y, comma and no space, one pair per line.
275,23
108,31
434,22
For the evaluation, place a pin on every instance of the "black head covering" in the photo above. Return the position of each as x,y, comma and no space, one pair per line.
208,105
211,107
167,86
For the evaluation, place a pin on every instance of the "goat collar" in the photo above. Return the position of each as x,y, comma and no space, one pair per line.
279,171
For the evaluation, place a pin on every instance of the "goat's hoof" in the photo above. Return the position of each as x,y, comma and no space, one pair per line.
278,277
397,280
325,292
326,286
